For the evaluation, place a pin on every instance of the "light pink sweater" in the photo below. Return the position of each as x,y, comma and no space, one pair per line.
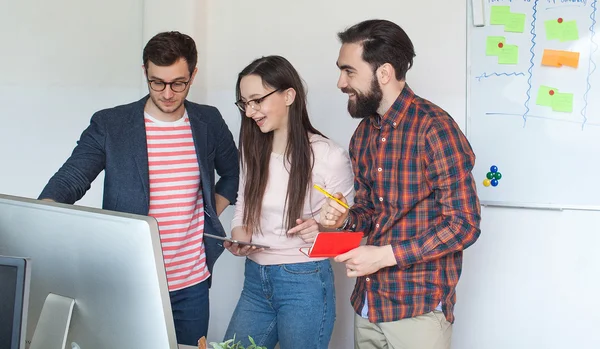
332,171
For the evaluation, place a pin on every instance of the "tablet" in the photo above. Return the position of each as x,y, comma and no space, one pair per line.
243,243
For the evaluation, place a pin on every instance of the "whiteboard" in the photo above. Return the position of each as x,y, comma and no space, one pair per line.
533,101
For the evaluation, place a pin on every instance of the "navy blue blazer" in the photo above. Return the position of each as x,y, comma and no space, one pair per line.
115,141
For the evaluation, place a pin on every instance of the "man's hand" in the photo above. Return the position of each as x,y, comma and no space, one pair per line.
332,213
306,230
221,203
365,260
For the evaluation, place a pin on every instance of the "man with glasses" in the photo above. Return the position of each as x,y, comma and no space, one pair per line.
159,155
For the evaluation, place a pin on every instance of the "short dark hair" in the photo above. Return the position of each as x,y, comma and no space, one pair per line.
164,49
383,42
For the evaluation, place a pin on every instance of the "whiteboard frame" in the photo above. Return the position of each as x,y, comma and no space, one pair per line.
468,67
536,206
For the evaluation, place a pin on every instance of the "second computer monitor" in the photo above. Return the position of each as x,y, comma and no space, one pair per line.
14,297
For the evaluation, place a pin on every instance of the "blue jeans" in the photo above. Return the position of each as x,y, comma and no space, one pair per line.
293,304
190,313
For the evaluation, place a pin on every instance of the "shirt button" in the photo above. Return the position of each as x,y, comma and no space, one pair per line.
377,225
380,169
367,279
383,139
394,124
380,198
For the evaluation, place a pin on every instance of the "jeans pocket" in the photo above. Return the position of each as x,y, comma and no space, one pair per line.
302,268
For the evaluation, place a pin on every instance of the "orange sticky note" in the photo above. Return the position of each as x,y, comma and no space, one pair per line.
558,58
551,58
568,58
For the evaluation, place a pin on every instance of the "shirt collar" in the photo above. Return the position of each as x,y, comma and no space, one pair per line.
397,110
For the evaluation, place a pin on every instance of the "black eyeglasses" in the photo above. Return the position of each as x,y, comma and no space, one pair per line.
254,104
176,86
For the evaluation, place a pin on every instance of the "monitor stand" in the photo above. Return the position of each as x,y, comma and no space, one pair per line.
53,326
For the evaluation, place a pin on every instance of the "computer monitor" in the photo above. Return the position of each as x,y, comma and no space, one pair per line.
14,297
110,263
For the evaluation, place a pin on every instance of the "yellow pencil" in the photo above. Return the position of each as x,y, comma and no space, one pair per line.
331,196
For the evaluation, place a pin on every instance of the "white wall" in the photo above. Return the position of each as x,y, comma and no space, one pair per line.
61,61
528,283
531,281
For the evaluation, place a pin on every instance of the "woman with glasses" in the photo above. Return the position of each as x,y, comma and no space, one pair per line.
287,297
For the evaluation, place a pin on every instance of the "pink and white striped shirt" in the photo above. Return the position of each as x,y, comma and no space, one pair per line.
176,200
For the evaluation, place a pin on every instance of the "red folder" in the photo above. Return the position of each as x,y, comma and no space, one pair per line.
331,244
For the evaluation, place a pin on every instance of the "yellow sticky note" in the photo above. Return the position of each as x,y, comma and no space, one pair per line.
494,44
509,55
561,29
562,102
499,14
553,29
515,22
544,96
569,31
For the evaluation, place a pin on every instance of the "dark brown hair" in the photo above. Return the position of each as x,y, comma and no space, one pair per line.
383,42
277,73
164,49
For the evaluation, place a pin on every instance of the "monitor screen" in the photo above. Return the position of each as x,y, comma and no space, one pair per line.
14,293
109,263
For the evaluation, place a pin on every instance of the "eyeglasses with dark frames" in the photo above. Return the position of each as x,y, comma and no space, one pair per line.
254,104
176,86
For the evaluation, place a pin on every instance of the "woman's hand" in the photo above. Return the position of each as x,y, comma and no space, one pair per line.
241,250
307,230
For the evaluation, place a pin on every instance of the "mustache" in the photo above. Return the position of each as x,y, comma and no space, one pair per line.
349,90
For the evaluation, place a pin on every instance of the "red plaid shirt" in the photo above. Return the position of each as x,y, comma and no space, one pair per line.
414,191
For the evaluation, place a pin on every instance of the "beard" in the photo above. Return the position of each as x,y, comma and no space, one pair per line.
366,104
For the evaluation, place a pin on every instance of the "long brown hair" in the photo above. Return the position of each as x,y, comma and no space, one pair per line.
255,147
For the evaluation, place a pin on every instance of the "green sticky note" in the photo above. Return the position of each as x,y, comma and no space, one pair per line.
515,23
569,31
491,45
499,14
509,55
553,29
544,98
562,102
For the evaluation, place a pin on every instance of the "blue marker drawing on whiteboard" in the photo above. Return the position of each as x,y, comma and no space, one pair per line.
533,35
591,64
486,75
